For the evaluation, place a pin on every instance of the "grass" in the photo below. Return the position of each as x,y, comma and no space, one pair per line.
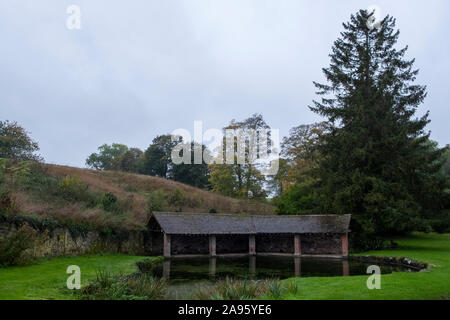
47,280
431,284
106,198
137,286
231,289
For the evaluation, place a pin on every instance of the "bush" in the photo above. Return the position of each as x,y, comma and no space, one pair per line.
177,198
156,200
296,200
13,248
109,202
7,203
149,265
131,287
72,188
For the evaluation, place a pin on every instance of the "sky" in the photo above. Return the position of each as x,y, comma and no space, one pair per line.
138,69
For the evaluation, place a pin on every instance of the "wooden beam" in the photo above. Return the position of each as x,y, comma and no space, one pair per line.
212,245
297,245
251,244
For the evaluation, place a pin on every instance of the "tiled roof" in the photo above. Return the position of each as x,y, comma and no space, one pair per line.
201,223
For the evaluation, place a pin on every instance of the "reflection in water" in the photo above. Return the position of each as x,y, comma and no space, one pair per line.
297,266
212,268
252,266
185,270
345,268
166,269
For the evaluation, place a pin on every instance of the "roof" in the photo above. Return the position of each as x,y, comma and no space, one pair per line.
204,223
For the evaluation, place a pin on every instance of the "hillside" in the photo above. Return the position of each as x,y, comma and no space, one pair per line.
104,198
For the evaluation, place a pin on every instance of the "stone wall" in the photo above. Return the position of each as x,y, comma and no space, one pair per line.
231,244
191,244
321,244
61,241
274,243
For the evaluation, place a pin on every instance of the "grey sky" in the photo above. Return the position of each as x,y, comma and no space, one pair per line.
141,68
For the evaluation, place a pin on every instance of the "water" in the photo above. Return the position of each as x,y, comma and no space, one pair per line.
185,273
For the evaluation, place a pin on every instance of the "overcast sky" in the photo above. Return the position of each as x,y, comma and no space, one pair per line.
137,69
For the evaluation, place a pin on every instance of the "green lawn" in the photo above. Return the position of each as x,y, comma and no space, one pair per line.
431,284
47,279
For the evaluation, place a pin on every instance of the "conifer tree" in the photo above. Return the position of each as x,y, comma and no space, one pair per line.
377,163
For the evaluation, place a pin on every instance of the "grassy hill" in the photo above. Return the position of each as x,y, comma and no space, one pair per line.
104,198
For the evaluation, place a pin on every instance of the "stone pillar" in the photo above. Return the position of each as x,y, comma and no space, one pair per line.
166,245
345,244
297,245
251,244
212,245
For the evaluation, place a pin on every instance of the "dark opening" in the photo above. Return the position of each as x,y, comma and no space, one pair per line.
189,244
321,244
232,243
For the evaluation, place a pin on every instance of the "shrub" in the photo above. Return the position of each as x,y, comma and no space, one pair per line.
177,198
156,200
297,199
109,202
13,247
292,287
7,203
72,188
131,287
149,265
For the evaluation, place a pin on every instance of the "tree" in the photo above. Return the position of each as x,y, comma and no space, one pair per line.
196,175
445,170
301,150
250,181
223,180
279,182
294,178
242,179
131,160
376,164
15,143
108,157
157,157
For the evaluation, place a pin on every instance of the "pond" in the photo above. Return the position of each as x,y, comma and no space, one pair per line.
184,273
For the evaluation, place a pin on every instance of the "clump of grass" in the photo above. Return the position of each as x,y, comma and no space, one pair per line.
106,286
232,289
292,287
149,265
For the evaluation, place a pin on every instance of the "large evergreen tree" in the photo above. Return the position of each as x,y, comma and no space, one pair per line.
376,161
